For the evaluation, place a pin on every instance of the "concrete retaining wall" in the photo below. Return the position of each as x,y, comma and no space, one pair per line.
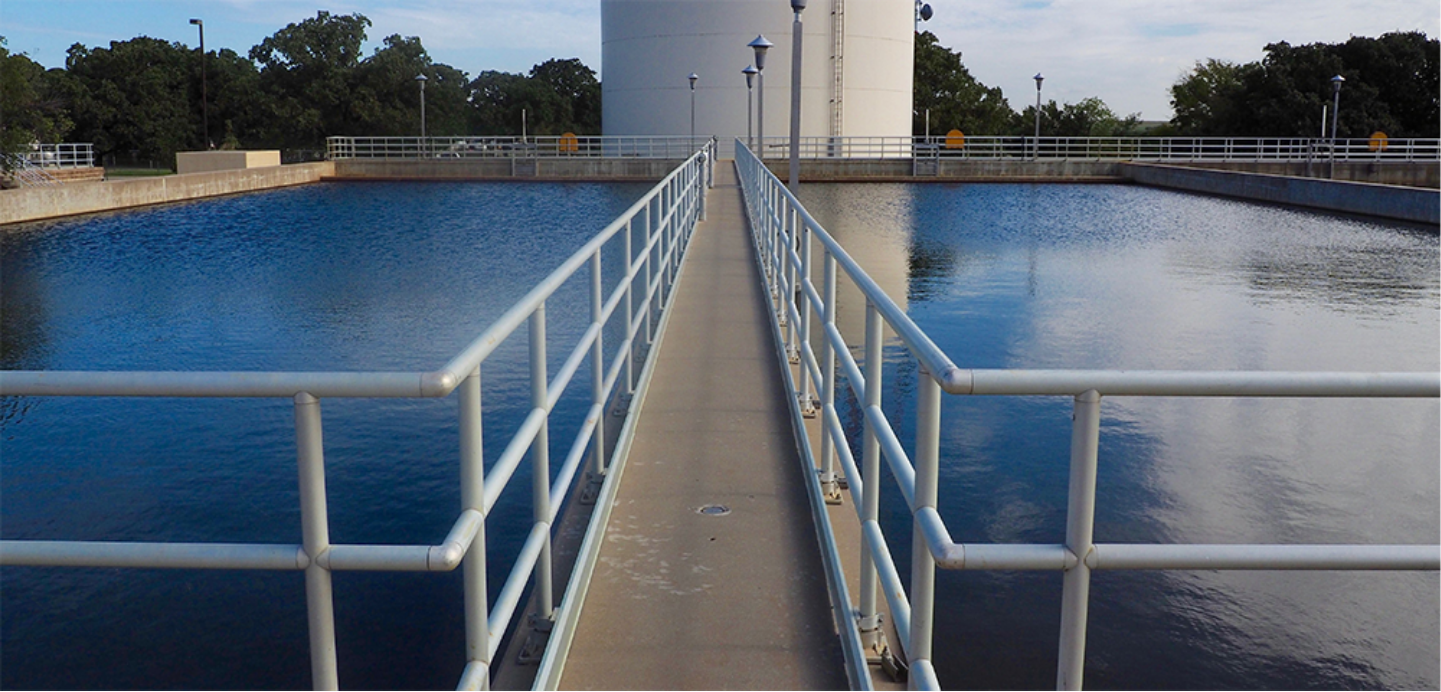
36,203
950,170
1410,173
607,169
1386,201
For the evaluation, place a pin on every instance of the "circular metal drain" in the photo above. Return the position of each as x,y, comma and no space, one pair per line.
714,510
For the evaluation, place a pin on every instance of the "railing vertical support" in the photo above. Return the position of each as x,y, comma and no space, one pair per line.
540,465
923,564
597,369
315,534
870,624
1080,520
648,266
472,496
629,313
829,486
808,406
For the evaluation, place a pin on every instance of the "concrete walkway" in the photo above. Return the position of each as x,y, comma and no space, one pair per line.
682,599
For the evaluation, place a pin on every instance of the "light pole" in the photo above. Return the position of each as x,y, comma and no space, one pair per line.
693,76
204,99
1335,117
750,73
420,79
761,45
795,177
1037,144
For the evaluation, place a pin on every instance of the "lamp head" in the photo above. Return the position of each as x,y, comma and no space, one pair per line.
750,73
1038,79
1336,82
693,76
198,22
798,5
760,45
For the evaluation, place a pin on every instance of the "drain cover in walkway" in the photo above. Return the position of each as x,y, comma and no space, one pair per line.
715,510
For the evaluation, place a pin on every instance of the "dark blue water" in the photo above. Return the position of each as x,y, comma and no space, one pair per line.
1117,277
325,277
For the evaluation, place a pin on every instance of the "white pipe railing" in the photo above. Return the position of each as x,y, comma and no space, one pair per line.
1180,149
64,155
545,147
663,219
784,232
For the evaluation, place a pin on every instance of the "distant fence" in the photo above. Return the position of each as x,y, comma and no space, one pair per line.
1175,149
78,155
562,146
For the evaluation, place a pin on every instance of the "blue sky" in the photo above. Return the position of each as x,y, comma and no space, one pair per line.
1125,51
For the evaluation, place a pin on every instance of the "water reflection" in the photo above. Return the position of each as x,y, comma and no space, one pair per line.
1032,276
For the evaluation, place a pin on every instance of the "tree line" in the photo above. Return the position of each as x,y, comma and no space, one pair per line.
1391,85
957,100
309,80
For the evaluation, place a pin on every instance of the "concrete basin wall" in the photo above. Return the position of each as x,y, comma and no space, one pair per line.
37,203
605,169
1386,201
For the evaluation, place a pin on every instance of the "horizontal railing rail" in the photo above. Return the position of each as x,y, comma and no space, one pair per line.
546,147
1181,149
662,221
785,235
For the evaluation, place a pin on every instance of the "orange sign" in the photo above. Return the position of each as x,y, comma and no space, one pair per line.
1377,141
955,139
569,142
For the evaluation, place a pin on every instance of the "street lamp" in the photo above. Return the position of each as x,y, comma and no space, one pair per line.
204,100
795,177
750,72
761,45
1335,117
693,76
1037,145
421,80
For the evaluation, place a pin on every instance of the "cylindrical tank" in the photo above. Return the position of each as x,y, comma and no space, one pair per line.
856,67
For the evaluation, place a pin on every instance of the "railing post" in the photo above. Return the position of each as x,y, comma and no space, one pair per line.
540,466
472,496
808,406
315,534
629,313
597,370
829,487
1080,520
648,266
923,564
870,624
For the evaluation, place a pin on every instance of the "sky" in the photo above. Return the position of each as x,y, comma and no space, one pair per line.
1128,52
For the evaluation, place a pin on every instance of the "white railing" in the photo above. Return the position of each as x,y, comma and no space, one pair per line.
81,155
785,233
547,147
662,221
1109,148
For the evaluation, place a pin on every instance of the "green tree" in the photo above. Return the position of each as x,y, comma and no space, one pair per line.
1090,117
308,71
954,98
1212,94
557,96
30,110
388,98
132,98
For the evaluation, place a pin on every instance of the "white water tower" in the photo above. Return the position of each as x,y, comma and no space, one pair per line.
856,68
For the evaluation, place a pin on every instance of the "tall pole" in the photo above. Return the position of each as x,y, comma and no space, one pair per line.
1037,145
693,76
761,45
750,73
204,98
1335,117
795,178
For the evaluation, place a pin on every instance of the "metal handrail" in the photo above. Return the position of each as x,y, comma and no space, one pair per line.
666,217
63,155
784,233
1179,149
510,147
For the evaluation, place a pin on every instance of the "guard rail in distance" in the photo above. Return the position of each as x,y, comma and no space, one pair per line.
76,155
1109,148
562,146
662,221
784,235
